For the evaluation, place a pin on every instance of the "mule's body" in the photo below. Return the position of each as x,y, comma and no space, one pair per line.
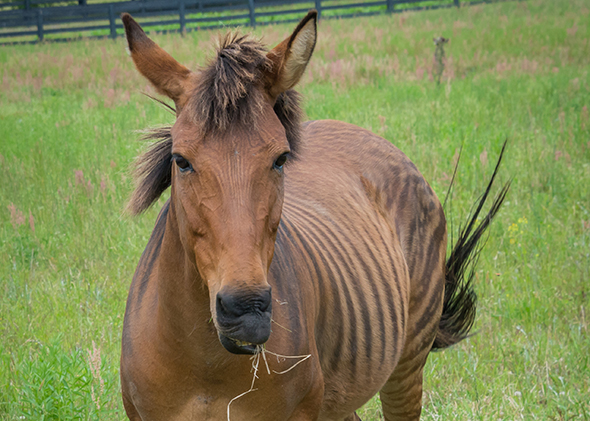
329,273
346,288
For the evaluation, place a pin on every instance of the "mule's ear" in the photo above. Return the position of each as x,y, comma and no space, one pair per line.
291,56
168,76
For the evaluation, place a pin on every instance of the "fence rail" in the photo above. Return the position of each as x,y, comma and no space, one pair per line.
28,24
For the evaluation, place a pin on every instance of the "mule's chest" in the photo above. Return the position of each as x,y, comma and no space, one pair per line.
261,404
162,390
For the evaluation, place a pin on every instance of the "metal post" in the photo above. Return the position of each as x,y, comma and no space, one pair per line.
318,7
456,3
252,13
40,24
112,22
182,18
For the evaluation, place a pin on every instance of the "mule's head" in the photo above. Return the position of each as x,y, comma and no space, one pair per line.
237,125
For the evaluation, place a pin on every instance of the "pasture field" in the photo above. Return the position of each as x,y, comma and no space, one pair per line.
515,70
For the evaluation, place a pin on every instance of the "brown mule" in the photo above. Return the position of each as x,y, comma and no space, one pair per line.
297,269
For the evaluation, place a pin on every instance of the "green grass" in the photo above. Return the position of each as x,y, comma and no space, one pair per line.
515,70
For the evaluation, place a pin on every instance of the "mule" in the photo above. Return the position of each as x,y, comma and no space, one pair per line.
298,268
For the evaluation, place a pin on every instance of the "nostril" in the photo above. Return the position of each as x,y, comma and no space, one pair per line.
220,305
265,300
226,306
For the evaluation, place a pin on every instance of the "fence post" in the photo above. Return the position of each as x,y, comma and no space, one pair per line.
182,18
456,3
390,6
252,13
27,4
112,22
318,7
40,24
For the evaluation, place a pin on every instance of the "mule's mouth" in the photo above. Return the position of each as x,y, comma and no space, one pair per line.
236,346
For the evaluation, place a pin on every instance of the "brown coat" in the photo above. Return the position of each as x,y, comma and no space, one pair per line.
328,274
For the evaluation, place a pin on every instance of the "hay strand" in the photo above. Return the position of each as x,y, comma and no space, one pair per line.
261,351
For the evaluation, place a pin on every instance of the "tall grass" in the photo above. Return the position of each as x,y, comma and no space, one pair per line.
516,70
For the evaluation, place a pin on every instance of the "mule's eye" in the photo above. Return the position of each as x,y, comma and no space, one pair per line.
278,165
183,164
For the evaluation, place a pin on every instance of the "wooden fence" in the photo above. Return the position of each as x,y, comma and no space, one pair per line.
30,23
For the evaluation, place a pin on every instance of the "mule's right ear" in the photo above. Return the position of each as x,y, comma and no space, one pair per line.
289,59
168,76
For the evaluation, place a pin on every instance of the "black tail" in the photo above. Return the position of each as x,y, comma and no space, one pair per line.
460,300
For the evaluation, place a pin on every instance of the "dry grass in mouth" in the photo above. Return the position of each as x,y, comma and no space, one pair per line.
261,351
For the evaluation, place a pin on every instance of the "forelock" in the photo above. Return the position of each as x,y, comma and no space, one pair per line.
226,92
229,90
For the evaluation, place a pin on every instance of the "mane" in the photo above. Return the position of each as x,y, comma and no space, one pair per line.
228,94
153,170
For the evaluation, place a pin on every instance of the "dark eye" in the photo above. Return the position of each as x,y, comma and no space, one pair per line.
278,165
183,164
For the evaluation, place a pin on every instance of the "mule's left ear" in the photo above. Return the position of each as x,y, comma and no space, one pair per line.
291,56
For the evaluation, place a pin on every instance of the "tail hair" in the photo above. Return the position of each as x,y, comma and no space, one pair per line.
460,300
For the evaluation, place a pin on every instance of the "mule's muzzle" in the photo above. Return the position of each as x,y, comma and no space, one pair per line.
243,320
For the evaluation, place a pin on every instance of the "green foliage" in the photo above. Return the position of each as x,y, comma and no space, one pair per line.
48,383
515,70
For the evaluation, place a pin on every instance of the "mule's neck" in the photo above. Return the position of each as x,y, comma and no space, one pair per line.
184,315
